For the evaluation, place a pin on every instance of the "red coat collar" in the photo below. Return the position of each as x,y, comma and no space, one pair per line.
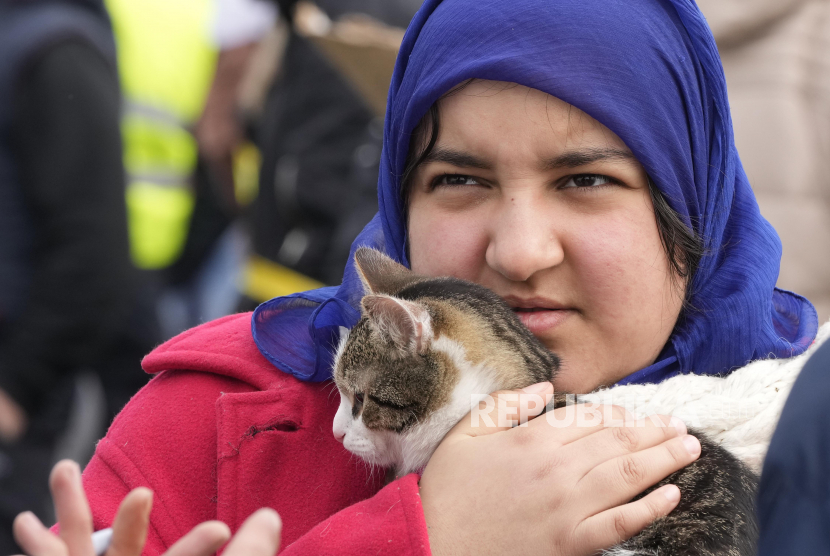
224,346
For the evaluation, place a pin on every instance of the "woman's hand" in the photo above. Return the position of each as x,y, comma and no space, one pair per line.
555,486
258,536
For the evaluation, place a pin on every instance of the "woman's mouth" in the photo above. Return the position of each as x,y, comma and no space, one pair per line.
541,319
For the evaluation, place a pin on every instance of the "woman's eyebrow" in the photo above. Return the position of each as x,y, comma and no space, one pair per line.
457,158
571,159
574,159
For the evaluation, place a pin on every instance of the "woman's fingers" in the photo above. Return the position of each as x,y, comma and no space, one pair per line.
627,437
577,421
35,539
71,508
258,536
560,477
623,522
129,530
620,479
503,410
202,540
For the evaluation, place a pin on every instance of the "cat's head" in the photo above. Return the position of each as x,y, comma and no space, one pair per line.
386,369
424,351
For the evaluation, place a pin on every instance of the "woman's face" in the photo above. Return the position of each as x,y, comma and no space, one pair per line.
529,196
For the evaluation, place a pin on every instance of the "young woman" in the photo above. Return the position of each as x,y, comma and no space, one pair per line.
575,156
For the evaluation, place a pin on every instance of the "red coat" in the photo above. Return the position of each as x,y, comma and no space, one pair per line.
219,432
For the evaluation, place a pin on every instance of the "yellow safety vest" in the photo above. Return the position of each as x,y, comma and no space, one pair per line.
166,64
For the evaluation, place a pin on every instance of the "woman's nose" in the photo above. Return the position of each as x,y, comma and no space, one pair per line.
523,241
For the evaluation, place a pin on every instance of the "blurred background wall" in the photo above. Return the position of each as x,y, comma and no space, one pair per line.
776,55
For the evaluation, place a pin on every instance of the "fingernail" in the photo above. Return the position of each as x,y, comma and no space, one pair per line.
274,523
70,469
537,388
672,493
273,517
27,520
26,516
146,498
692,445
679,425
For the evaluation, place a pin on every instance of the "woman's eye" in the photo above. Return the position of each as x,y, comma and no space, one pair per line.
588,180
454,179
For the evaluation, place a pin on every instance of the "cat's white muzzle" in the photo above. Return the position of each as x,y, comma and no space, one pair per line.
375,447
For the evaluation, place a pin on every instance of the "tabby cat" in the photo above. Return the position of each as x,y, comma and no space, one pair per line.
424,347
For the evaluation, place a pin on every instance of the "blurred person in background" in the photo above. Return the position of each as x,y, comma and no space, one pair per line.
68,292
320,143
793,506
180,62
776,56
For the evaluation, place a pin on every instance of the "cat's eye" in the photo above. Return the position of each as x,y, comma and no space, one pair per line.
389,404
358,403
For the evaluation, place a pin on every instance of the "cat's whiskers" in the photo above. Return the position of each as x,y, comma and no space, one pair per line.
332,390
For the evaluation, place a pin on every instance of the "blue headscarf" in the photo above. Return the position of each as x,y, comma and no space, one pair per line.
647,69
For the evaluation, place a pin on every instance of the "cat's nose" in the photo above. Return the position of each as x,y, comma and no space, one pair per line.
339,430
342,419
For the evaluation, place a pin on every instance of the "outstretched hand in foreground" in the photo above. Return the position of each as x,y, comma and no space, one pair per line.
258,536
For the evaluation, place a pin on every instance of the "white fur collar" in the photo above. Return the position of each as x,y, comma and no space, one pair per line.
739,411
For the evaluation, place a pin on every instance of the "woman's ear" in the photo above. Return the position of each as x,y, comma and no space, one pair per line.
380,274
406,324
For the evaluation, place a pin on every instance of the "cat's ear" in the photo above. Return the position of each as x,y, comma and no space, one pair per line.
380,274
407,324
